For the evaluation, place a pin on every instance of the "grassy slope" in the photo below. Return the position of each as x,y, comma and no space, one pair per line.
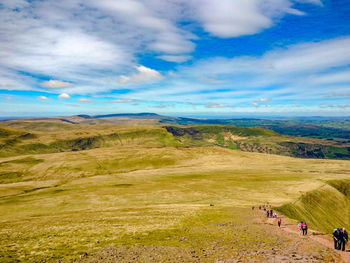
325,208
141,188
259,140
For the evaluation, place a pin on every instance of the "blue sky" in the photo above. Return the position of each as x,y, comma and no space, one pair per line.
177,57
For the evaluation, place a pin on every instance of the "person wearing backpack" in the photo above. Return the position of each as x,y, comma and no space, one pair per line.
299,225
336,238
279,222
304,228
344,239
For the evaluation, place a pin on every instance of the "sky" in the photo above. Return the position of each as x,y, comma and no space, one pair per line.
194,58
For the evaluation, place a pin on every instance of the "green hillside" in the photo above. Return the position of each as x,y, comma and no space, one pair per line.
325,208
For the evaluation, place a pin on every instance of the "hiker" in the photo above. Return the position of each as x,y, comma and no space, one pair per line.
275,215
299,225
304,228
344,239
279,222
267,213
336,238
253,207
271,213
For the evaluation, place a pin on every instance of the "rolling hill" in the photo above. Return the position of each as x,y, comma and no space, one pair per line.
134,189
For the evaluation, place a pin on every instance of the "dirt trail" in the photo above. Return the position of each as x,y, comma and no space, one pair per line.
321,238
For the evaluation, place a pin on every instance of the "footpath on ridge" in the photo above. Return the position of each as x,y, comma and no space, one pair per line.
322,238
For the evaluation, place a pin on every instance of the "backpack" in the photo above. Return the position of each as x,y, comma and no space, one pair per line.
304,227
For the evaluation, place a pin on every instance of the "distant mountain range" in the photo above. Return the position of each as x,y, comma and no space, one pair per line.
335,129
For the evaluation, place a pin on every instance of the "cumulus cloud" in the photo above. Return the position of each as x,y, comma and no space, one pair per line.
55,84
228,18
144,75
64,96
43,98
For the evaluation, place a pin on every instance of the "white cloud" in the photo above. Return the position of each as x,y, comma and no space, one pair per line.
177,59
255,104
55,84
210,80
72,105
331,78
300,58
150,22
228,18
64,96
265,99
213,104
120,101
89,42
84,100
144,75
10,80
310,56
164,106
43,98
315,2
339,95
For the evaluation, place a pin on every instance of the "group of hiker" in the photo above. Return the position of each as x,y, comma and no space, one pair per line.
340,237
270,213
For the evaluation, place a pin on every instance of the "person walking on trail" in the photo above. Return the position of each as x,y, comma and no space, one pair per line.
336,238
267,213
304,228
279,222
344,239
